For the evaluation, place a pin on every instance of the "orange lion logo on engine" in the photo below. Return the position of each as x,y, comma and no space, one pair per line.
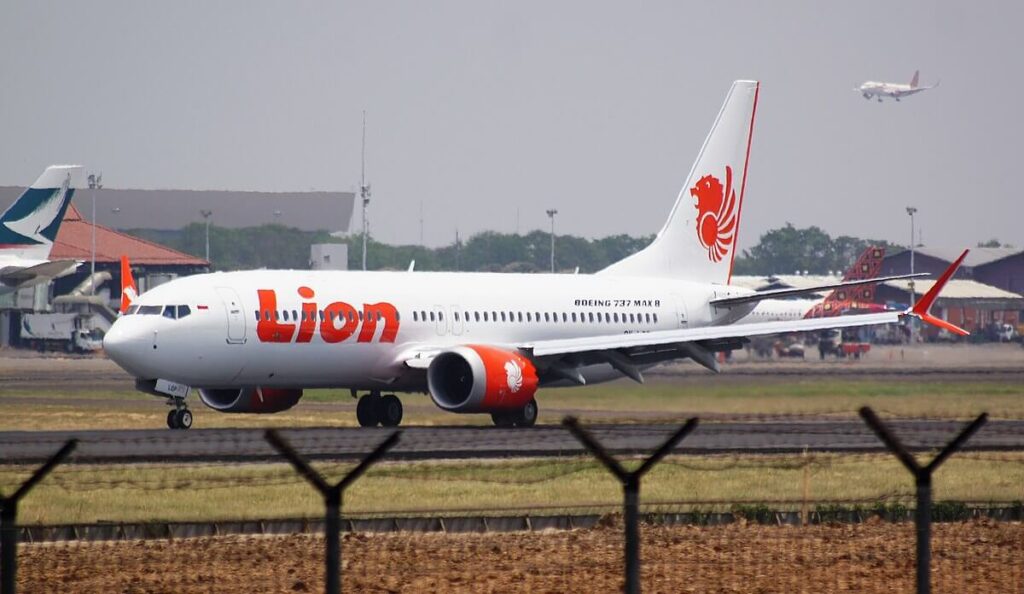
716,214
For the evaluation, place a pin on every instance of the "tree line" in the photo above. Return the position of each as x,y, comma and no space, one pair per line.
785,250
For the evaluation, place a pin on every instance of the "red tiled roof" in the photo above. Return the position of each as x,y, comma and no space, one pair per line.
74,242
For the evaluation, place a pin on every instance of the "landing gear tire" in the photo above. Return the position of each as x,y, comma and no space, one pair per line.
390,411
183,418
172,419
368,410
503,419
527,416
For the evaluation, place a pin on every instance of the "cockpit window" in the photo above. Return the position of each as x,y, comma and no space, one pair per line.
183,310
131,310
150,310
169,312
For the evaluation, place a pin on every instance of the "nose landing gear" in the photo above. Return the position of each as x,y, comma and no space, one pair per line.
374,409
180,417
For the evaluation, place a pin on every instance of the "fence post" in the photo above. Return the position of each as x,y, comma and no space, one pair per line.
922,483
630,489
9,519
332,495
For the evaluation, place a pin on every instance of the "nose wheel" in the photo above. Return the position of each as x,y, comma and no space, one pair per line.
180,417
374,409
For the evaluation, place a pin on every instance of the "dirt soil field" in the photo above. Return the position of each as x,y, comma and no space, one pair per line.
875,557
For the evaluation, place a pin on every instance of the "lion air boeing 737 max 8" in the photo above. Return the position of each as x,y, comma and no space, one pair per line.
475,342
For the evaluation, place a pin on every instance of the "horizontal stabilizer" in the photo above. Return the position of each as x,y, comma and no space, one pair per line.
776,293
12,276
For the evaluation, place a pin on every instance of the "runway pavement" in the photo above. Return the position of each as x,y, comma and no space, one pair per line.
765,437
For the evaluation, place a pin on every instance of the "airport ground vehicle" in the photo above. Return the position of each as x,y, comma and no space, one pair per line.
59,332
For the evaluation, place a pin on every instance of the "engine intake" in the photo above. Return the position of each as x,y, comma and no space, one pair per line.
250,400
476,378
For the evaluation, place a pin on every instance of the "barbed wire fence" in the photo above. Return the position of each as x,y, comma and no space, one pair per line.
546,524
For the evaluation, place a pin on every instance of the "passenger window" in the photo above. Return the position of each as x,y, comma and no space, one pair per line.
485,317
476,315
631,320
565,318
440,316
183,310
502,316
607,318
520,316
547,317
456,316
529,318
360,316
590,317
321,315
295,315
169,312
655,318
573,316
415,317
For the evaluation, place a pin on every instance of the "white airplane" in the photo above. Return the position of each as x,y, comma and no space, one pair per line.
251,341
29,227
894,90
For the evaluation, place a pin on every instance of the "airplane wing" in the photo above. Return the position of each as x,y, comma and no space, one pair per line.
561,358
13,276
706,333
776,293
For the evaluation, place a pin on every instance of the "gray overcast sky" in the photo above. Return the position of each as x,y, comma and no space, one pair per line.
478,108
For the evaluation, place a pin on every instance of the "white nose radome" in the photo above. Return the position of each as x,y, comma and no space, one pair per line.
125,343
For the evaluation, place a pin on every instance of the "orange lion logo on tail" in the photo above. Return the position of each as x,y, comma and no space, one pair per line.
716,214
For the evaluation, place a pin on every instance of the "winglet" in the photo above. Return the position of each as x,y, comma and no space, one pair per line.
922,308
129,291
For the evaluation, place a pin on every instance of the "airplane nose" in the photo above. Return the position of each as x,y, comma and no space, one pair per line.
124,344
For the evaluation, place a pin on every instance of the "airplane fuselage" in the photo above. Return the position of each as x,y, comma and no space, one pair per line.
305,329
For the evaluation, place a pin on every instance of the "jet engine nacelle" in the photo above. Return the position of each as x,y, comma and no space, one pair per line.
250,400
476,378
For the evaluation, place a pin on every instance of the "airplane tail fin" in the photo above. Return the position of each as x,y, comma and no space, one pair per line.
914,81
29,227
868,265
129,290
698,242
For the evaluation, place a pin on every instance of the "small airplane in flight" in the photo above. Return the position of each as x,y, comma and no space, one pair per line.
252,341
893,90
29,227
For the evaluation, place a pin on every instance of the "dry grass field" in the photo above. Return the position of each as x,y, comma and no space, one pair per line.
983,557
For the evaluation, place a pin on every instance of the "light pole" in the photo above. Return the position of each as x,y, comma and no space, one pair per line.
551,214
911,211
206,216
95,183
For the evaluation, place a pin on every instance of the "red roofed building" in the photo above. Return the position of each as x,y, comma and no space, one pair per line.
153,263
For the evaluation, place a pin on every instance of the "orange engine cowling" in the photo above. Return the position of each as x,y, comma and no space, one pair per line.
476,378
250,400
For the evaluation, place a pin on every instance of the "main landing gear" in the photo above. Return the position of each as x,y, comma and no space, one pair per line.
524,417
179,417
374,409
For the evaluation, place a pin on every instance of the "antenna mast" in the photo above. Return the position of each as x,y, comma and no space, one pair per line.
364,191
